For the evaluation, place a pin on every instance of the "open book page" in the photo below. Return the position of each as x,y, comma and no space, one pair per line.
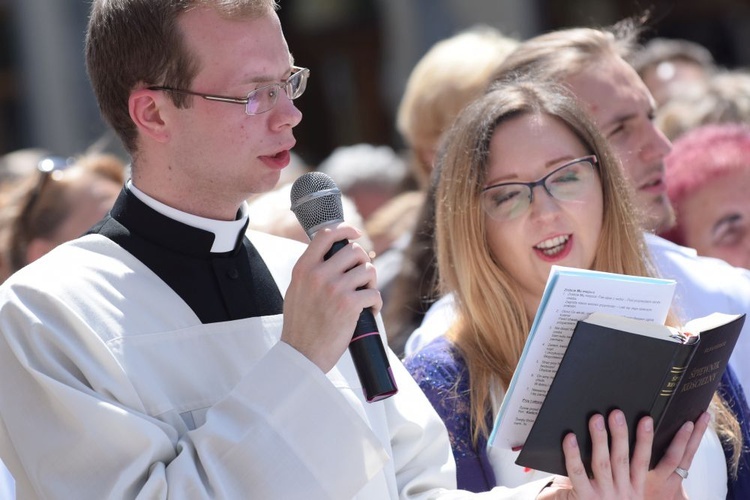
687,334
645,328
706,323
569,296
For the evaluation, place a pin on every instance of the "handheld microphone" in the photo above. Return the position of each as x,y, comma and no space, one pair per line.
316,201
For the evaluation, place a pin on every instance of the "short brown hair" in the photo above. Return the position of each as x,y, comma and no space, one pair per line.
556,55
132,42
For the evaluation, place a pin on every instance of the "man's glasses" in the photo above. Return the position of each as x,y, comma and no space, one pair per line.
261,99
568,182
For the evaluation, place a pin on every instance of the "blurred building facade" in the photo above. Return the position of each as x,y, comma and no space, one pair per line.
360,53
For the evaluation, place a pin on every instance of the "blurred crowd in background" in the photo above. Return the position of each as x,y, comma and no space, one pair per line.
49,195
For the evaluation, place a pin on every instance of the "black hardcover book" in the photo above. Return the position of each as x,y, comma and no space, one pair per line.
659,371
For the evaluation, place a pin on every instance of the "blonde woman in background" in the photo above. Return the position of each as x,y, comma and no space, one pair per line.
454,72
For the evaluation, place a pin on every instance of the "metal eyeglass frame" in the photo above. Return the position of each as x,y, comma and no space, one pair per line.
298,72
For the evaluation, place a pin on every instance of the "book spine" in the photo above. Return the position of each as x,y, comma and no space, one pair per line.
676,371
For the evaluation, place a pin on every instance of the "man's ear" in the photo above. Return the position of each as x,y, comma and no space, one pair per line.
146,110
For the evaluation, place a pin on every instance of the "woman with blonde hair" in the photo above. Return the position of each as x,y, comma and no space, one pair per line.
526,181
454,72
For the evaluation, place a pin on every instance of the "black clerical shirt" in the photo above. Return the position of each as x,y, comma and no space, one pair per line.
216,286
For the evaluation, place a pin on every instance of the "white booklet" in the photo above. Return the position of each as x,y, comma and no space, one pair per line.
569,296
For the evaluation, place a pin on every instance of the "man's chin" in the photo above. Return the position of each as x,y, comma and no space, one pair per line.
660,217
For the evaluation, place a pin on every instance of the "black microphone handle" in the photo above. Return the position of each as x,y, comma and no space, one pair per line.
367,351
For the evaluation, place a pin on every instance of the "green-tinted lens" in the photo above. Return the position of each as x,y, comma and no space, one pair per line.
570,182
507,201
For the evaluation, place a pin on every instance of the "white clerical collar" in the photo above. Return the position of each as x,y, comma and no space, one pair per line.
225,232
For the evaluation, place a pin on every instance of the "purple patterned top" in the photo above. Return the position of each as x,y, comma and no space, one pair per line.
442,374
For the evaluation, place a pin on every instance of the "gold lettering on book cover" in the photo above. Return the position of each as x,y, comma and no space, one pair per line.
701,376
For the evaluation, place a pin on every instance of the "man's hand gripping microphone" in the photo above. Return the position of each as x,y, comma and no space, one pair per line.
316,201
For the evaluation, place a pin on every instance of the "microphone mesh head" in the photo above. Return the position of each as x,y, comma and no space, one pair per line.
316,201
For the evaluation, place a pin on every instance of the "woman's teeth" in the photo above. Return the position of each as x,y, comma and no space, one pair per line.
553,246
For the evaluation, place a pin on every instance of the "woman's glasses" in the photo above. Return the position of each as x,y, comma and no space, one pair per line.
568,182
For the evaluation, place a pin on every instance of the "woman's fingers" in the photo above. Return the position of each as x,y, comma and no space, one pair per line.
684,445
601,464
663,481
620,454
574,465
695,440
644,440
615,475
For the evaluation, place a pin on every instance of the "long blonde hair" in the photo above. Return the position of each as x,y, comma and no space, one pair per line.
493,325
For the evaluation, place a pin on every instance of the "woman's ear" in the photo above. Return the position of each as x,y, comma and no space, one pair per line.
147,112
